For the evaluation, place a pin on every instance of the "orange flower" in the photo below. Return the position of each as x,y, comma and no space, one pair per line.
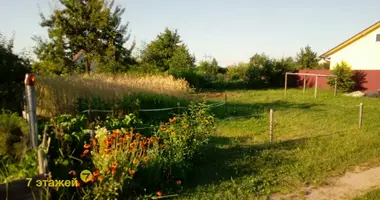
94,142
135,161
72,172
159,193
108,169
86,146
131,172
113,172
77,184
145,159
114,165
178,182
173,119
100,177
138,135
108,141
96,173
85,152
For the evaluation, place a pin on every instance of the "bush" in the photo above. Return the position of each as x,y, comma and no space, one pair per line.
220,77
345,82
14,132
180,139
238,72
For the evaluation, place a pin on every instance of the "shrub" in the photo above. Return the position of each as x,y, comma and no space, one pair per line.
344,77
220,77
182,137
238,72
14,132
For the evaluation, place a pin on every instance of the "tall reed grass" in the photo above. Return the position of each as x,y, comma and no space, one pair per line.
59,95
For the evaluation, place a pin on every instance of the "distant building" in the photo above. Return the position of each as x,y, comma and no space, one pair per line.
79,60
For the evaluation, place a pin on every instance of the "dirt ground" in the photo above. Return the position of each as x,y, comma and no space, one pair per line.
346,187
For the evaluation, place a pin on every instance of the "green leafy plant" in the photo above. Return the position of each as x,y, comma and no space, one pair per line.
344,77
11,170
14,132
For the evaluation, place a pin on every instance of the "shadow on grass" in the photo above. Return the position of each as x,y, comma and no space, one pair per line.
222,160
257,109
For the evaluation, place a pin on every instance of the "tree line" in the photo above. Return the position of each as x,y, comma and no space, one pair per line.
88,35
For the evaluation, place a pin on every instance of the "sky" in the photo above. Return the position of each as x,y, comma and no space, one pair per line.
231,31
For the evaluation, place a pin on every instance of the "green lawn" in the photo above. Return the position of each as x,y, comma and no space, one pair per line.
371,195
314,139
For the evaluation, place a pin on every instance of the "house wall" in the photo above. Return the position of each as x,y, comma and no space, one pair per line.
363,54
366,80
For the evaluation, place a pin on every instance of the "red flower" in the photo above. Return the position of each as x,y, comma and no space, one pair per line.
114,165
159,193
85,152
96,173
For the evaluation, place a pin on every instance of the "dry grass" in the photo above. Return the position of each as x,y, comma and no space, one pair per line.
58,95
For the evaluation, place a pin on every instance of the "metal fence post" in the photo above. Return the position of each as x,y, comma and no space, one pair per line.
30,93
361,115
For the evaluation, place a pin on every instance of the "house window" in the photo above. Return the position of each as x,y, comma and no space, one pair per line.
378,37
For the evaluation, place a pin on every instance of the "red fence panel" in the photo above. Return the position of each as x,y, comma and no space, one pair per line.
366,80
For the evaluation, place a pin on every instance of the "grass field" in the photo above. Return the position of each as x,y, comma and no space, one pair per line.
371,195
314,139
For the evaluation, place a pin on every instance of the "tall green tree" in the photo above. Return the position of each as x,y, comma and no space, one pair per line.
307,59
167,52
13,68
92,26
209,69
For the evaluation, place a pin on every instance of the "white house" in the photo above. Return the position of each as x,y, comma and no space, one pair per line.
362,51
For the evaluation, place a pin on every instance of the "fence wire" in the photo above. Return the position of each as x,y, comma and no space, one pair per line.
155,110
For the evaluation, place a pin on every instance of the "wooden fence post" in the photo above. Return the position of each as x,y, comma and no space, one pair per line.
316,86
225,104
271,125
361,115
304,83
335,86
286,82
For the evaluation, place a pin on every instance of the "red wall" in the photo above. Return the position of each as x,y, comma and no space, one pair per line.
366,80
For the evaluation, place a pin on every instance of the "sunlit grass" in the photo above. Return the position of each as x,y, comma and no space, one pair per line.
374,194
315,138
